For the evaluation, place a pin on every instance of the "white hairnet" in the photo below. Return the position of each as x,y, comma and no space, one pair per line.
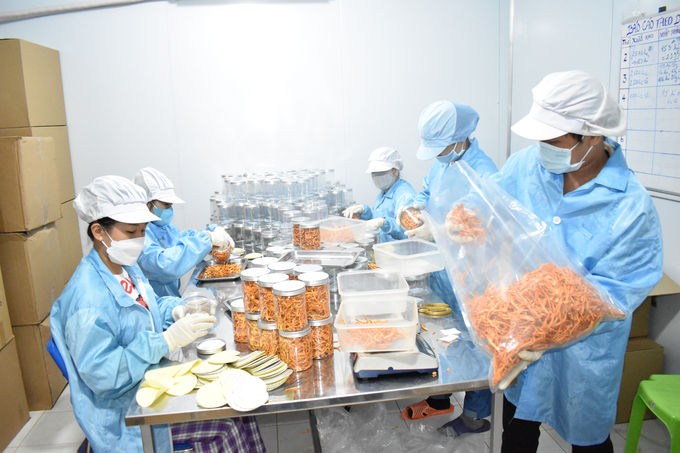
383,159
114,197
156,185
571,102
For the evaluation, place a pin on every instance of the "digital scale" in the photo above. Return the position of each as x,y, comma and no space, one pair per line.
422,359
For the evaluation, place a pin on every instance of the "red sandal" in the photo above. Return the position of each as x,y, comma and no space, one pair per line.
423,410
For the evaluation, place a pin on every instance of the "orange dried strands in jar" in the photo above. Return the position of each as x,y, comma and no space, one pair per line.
296,352
221,257
409,220
296,234
221,270
546,308
291,312
267,312
318,302
253,333
310,239
251,296
240,333
343,235
322,341
469,225
269,341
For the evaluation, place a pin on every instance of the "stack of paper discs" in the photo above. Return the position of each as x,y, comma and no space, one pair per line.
272,370
246,393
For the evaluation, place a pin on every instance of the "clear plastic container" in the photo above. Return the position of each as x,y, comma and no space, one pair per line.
372,233
377,326
322,338
195,303
349,196
312,213
251,290
310,235
376,285
269,337
411,257
252,211
290,305
268,236
238,317
226,210
238,231
295,348
342,229
266,287
287,216
317,294
409,218
366,244
252,331
297,221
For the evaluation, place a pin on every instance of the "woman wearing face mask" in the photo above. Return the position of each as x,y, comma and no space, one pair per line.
108,324
169,252
384,165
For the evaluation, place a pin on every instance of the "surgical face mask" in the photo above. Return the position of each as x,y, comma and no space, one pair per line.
558,160
383,180
164,214
451,157
125,252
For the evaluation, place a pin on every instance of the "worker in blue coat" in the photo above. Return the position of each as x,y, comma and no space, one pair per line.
169,252
445,130
108,324
385,165
577,181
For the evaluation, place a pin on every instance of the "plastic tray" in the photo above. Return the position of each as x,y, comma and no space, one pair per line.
222,279
411,257
342,229
401,322
375,285
324,258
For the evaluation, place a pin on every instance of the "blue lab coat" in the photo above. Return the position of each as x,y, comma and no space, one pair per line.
386,205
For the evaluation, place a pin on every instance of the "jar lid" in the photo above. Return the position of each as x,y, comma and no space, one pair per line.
361,259
289,288
238,252
364,241
321,322
253,316
239,224
269,280
314,278
305,268
237,305
310,224
348,245
299,219
269,234
212,346
264,261
281,266
252,274
264,325
297,334
253,256
353,249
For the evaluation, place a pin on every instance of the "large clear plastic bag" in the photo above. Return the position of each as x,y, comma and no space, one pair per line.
519,288
367,429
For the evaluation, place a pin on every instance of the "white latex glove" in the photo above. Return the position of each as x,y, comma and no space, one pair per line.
528,357
422,232
376,223
213,307
356,209
188,329
178,313
221,239
453,231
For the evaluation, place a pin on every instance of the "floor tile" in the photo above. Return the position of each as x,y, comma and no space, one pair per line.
392,406
654,438
394,419
546,444
618,441
292,417
270,436
458,398
266,420
566,446
295,438
21,435
64,448
54,429
9,450
63,404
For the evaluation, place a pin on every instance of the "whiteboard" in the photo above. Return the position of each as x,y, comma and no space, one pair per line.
649,92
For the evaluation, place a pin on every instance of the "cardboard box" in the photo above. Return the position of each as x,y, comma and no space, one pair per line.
29,183
31,92
643,358
31,271
640,321
43,380
5,324
14,413
67,190
69,240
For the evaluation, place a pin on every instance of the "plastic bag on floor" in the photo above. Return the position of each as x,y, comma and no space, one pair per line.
365,429
519,288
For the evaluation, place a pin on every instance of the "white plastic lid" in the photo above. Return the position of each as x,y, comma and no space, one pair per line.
238,305
289,288
265,261
314,278
305,268
251,275
281,266
271,279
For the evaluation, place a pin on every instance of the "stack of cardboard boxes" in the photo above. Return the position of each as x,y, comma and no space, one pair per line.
39,239
644,357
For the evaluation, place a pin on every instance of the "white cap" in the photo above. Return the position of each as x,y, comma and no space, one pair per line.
114,197
571,102
157,186
383,159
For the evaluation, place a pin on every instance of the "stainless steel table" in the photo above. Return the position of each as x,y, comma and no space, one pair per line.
330,382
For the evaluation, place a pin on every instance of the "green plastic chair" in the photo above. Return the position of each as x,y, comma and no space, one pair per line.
661,395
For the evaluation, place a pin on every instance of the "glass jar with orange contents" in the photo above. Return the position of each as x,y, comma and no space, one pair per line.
266,284
269,337
290,305
251,291
252,331
317,294
310,235
238,317
322,338
295,348
296,221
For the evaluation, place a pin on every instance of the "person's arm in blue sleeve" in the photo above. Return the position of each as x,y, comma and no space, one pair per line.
367,214
108,368
165,265
423,196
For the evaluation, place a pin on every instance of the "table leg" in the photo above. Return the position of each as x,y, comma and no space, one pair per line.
148,441
315,432
496,421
